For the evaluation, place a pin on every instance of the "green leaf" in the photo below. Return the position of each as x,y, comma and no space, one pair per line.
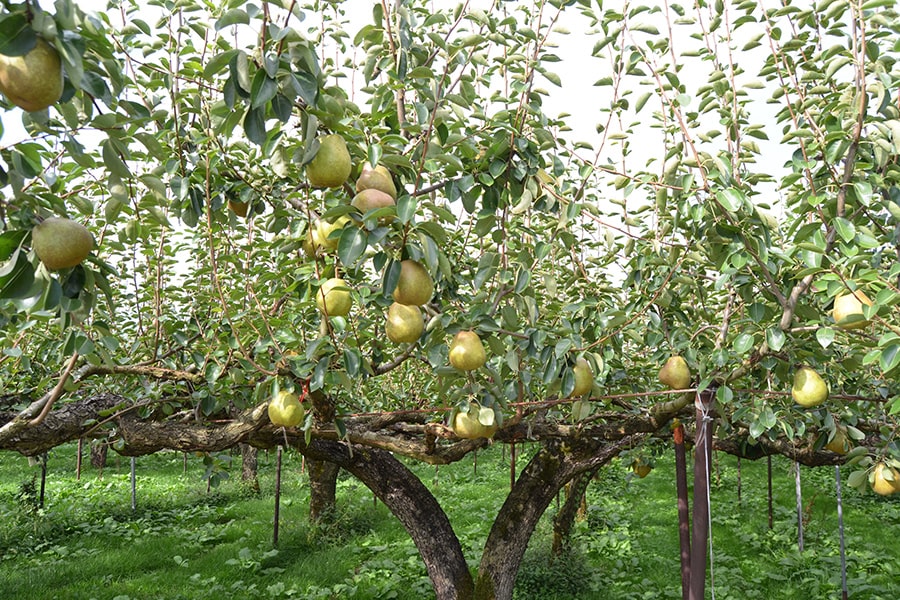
743,343
857,479
825,336
113,161
74,282
213,372
17,277
420,73
218,62
235,16
352,244
731,199
724,395
775,338
352,362
890,358
263,89
318,377
406,209
391,277
255,125
845,229
10,242
16,35
307,87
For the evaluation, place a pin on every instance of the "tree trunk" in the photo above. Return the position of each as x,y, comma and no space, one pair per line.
322,489
565,518
249,467
413,504
98,455
550,469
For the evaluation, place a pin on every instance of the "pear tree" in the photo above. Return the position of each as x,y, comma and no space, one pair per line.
264,185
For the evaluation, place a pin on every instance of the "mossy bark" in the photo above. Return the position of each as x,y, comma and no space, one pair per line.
565,517
415,507
546,473
322,489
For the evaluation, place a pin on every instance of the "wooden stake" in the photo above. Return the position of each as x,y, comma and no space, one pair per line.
769,465
739,480
78,459
277,496
799,506
512,465
684,525
840,514
43,478
700,521
133,484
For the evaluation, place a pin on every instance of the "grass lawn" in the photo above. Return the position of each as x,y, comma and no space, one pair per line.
183,542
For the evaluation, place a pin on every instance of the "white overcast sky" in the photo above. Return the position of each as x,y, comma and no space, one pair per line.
578,71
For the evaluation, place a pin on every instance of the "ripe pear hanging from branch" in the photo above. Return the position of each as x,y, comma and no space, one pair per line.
675,374
809,389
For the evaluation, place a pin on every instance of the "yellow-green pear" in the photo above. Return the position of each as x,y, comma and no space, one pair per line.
61,243
33,81
809,388
333,298
404,323
331,166
848,310
318,235
377,178
675,374
371,199
239,208
476,422
326,228
467,352
285,410
885,480
584,377
415,286
641,467
840,443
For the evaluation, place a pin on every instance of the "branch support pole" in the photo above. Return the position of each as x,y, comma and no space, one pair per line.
78,459
769,497
133,484
43,478
684,524
277,496
840,516
799,494
702,459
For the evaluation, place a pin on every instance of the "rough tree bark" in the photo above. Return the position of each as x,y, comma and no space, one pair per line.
66,422
550,469
565,517
322,489
249,467
98,455
413,504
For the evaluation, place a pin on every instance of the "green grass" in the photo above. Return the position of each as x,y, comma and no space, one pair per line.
183,542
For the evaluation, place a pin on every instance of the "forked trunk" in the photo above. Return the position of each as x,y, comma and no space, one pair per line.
565,518
547,472
413,504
